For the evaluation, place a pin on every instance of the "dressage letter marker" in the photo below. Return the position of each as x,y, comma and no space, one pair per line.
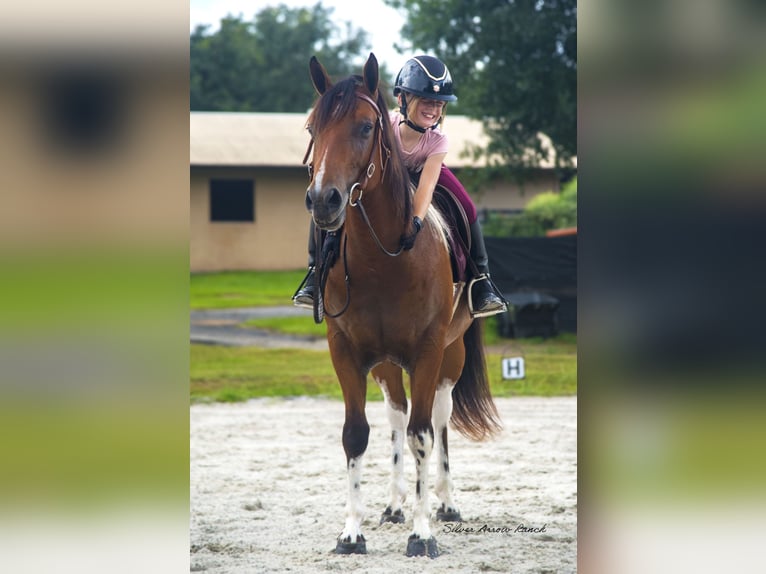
513,368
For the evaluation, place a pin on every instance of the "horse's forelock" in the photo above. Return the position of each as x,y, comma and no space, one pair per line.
335,103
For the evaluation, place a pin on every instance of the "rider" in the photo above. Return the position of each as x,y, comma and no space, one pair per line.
423,87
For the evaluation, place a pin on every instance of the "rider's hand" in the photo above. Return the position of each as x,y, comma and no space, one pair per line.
408,241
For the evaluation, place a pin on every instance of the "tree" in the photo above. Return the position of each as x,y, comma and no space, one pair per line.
263,65
514,64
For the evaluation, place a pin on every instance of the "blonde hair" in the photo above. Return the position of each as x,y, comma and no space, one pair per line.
413,102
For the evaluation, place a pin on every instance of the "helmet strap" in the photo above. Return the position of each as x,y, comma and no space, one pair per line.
406,120
414,126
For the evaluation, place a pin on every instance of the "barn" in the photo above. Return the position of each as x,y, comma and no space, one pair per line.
247,188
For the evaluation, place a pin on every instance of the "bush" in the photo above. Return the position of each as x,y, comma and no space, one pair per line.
549,210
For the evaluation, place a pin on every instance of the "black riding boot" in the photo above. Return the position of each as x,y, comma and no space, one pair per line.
485,300
304,296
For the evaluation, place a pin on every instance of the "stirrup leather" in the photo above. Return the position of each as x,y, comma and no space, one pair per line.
478,314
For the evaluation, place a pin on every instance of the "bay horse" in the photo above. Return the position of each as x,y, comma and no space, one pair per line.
390,309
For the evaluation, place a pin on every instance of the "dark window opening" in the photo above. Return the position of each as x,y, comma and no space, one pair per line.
232,200
84,109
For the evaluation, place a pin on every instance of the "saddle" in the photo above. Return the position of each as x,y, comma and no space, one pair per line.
458,232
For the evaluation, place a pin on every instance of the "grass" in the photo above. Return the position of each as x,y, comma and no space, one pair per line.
240,373
230,374
243,288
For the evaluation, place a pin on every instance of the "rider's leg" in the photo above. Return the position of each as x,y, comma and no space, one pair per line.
305,295
484,296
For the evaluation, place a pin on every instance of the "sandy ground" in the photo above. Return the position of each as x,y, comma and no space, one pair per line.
268,488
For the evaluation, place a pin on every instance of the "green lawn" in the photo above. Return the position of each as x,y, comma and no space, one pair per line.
239,373
243,288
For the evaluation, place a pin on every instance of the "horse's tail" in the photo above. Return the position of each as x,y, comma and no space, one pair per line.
474,414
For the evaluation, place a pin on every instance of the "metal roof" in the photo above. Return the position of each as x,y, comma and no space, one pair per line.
280,140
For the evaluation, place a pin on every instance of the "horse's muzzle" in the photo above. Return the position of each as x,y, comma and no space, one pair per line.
328,207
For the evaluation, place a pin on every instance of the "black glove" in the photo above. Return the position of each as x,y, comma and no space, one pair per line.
408,241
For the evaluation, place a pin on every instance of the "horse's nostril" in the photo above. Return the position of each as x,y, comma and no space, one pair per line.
335,200
309,202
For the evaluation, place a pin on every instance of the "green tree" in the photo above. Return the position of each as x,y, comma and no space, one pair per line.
514,64
262,65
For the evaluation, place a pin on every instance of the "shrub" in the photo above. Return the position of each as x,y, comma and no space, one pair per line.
546,211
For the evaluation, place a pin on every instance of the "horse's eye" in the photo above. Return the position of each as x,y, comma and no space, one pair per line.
367,129
310,130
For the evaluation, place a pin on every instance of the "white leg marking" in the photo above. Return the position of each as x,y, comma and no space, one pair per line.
440,419
354,507
398,421
421,444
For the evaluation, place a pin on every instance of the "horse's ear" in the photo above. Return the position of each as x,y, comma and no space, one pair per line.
319,76
371,74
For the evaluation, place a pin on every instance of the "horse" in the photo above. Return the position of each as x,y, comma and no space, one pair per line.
390,309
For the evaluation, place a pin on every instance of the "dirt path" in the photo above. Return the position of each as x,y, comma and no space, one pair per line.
223,327
268,491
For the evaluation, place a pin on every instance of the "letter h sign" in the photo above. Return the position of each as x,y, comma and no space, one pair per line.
513,368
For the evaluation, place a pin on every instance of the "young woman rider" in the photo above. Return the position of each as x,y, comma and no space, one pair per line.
423,88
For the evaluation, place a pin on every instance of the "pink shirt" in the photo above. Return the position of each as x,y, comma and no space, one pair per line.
431,143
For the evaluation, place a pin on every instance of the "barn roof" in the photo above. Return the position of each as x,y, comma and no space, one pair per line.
280,140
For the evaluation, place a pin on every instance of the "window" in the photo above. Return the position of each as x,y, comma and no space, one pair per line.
232,200
85,109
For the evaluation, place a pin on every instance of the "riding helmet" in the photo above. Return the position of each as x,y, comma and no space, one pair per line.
427,77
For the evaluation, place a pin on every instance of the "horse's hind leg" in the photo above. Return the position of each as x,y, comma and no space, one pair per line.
452,366
389,377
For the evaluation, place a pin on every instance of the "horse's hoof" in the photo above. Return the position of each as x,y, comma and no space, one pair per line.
395,517
418,547
448,515
348,547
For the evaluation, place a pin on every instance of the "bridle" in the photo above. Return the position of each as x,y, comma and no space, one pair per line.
366,174
361,181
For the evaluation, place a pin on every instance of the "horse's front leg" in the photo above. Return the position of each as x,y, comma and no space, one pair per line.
452,367
389,377
420,437
356,432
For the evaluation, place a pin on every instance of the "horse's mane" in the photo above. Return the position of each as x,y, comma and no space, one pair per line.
338,101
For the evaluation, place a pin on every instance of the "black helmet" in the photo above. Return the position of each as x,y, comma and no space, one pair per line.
427,77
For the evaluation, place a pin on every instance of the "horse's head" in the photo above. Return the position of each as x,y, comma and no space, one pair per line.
345,126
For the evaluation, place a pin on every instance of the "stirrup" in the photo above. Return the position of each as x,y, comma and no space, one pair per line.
493,311
302,299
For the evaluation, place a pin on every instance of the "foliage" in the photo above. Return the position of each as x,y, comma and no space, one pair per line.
262,65
515,68
544,212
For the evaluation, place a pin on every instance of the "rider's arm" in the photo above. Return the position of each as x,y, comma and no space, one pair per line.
428,178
